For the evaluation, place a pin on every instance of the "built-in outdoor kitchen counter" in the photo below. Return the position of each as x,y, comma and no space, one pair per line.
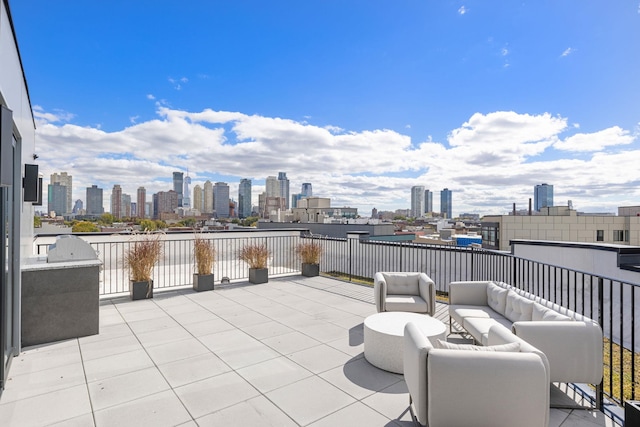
60,293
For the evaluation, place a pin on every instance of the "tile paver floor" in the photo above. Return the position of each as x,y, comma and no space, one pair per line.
286,353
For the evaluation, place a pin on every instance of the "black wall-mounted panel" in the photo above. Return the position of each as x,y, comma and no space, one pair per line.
31,187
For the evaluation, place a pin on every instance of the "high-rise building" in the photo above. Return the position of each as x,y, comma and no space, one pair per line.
428,201
306,190
417,201
116,201
57,200
141,201
221,199
272,187
125,206
164,202
208,197
295,198
198,202
374,213
186,200
244,198
178,183
445,203
283,181
67,180
77,207
542,196
94,201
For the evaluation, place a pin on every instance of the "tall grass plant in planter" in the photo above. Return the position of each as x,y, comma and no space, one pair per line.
140,259
309,253
257,256
205,257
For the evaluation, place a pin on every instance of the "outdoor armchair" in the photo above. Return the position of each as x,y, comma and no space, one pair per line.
396,291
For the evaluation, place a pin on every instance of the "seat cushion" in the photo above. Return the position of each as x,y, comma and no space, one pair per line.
478,328
460,312
411,303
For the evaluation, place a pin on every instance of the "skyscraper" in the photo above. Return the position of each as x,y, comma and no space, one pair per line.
125,206
77,207
57,200
116,201
67,180
244,198
283,181
445,203
272,187
94,201
221,199
417,201
306,190
542,196
178,183
428,201
141,201
198,202
186,200
208,197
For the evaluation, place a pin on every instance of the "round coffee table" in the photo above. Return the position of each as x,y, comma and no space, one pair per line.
384,335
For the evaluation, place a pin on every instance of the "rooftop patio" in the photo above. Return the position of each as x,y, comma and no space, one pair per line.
286,353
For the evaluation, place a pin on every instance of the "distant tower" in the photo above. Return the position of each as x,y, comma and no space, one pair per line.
221,199
198,202
428,201
306,190
94,201
445,202
417,201
125,206
77,207
178,178
116,201
208,197
272,187
542,196
67,180
186,200
374,213
284,187
141,200
244,198
57,201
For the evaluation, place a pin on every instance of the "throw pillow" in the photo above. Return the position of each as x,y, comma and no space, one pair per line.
511,347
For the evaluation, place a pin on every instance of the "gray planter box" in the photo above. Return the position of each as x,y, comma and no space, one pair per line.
310,270
202,282
258,275
138,290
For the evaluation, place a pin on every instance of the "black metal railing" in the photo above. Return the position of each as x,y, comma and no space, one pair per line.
609,301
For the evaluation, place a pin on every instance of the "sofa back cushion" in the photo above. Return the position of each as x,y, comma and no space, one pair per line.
509,347
497,297
518,308
403,283
540,312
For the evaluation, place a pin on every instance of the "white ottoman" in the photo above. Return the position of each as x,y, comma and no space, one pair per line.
384,334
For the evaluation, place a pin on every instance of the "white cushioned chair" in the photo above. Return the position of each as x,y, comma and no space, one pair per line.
413,292
450,387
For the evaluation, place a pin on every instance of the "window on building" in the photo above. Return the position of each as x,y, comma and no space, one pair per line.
599,235
618,235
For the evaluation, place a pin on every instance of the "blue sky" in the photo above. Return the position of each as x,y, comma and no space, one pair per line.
362,98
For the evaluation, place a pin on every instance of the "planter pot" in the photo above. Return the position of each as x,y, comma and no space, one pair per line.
140,290
258,275
310,270
203,282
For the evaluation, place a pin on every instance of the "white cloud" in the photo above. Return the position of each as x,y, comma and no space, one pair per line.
462,10
489,161
568,51
597,141
57,116
504,51
151,97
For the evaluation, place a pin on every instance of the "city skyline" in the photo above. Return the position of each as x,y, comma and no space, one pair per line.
469,96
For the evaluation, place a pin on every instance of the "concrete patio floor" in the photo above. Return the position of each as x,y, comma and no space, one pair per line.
286,353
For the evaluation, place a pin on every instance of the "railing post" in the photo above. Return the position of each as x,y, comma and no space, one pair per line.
600,387
473,256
